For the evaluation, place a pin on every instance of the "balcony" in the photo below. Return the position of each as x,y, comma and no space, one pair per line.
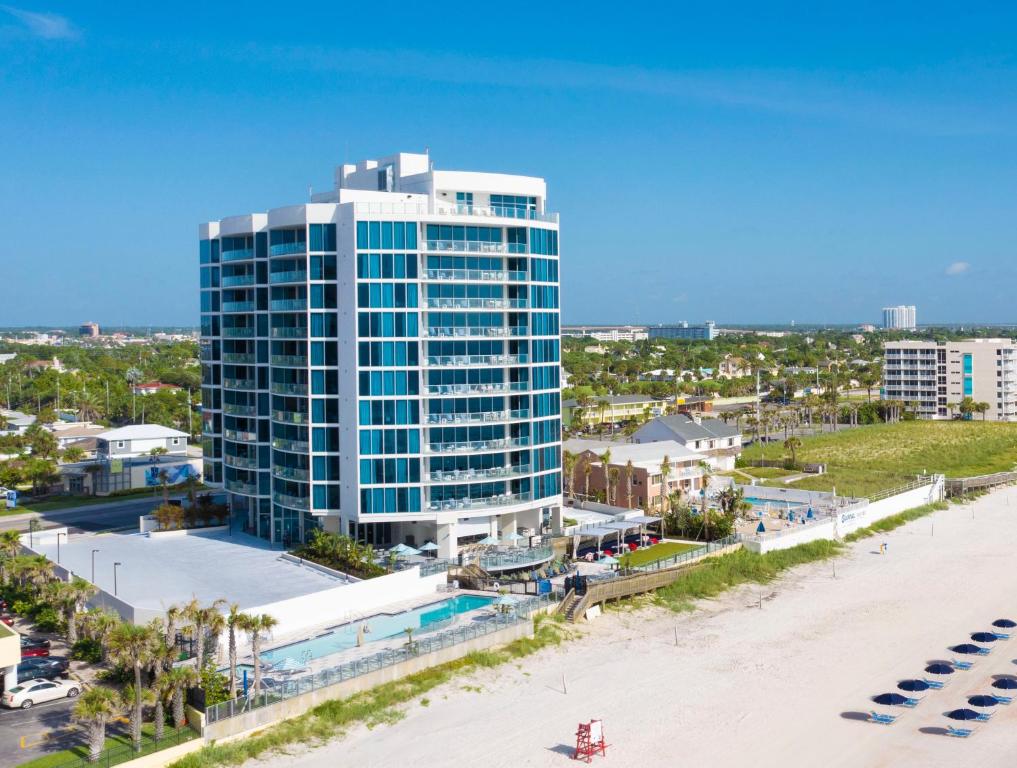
240,435
288,305
472,475
436,208
466,361
479,417
237,281
238,306
469,446
238,358
236,486
240,462
238,332
284,388
515,557
287,277
291,473
286,249
240,383
465,303
287,332
294,502
465,246
293,361
475,275
436,332
235,409
237,254
290,417
293,446
487,502
477,389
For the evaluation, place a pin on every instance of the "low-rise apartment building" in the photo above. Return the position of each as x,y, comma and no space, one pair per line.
716,442
932,378
606,332
611,409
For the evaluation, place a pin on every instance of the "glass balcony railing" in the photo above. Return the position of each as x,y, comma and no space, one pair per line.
293,361
475,275
500,500
290,417
287,332
436,332
240,462
470,475
472,389
291,473
286,388
236,486
460,361
295,502
478,445
237,281
465,303
285,249
476,418
241,358
288,305
287,277
295,446
465,246
235,409
240,383
238,306
237,254
238,332
240,435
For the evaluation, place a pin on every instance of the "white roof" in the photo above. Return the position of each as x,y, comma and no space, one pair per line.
141,432
645,455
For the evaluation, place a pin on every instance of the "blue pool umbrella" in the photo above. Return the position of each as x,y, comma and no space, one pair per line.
403,549
984,637
506,600
913,685
1005,684
982,700
429,546
938,668
489,540
962,714
892,699
791,516
760,528
810,514
966,648
1004,623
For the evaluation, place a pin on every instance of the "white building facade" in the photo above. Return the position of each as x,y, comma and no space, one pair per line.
900,318
385,360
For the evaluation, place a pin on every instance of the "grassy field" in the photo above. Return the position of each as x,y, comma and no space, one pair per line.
657,552
868,459
766,473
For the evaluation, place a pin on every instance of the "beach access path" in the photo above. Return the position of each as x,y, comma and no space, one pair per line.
784,684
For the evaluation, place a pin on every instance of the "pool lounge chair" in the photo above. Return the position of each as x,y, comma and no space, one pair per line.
934,684
1002,635
1002,699
878,717
961,664
984,717
960,733
984,651
910,703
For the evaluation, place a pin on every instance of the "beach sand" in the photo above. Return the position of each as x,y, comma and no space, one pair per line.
781,685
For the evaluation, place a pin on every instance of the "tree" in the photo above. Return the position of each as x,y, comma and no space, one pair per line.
235,620
568,460
665,471
257,627
68,597
131,646
40,472
72,454
88,405
792,445
179,679
160,662
98,624
629,471
94,710
205,619
614,473
587,469
982,408
164,482
967,407
605,463
10,546
41,442
134,700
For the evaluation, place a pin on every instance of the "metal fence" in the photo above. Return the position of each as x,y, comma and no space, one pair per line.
688,556
125,752
518,556
430,643
920,482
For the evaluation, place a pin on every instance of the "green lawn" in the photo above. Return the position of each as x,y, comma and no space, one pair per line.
660,551
120,742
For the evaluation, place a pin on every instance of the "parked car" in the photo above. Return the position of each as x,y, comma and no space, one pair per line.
7,619
34,646
43,667
27,694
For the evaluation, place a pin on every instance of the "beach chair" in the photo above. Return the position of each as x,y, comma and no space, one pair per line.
1003,699
910,703
961,664
933,684
1002,635
984,717
877,717
984,651
960,733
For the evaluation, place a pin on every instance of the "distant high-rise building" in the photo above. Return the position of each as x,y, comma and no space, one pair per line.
384,361
707,331
89,329
900,318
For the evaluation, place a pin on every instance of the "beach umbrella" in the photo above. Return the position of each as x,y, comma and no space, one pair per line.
429,546
913,685
514,538
962,714
791,516
1005,684
966,648
505,600
984,637
981,700
403,549
760,528
939,668
810,514
892,699
1004,623
489,541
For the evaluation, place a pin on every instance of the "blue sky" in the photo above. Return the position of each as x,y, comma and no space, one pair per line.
737,164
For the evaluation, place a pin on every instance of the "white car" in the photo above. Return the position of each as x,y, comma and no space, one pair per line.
32,692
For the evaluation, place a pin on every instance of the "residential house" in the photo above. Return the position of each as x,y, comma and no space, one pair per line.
151,387
716,442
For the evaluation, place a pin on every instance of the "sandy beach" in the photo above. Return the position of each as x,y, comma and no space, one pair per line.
784,684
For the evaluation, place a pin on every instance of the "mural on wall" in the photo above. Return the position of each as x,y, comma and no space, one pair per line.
175,475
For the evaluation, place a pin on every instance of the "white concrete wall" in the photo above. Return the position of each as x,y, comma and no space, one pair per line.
855,518
792,538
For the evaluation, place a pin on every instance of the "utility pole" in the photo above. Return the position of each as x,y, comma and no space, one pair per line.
189,430
107,398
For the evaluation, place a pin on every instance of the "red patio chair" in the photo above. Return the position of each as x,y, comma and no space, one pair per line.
608,553
632,547
654,540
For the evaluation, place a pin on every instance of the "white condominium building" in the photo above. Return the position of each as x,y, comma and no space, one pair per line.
937,376
385,360
900,318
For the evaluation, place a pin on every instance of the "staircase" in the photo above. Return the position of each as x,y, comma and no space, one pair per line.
472,576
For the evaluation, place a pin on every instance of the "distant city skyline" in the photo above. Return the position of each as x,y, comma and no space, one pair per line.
730,167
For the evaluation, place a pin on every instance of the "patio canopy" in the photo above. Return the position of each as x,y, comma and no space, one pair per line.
597,532
623,525
643,519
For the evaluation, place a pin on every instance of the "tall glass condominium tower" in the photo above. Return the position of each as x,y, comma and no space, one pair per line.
384,361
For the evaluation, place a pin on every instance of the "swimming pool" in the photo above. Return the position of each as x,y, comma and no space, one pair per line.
379,627
775,503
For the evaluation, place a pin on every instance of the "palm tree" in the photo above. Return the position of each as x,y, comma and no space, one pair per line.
665,471
235,620
68,597
629,471
94,710
131,646
173,616
10,545
203,618
161,660
256,627
587,469
982,408
568,460
134,700
88,405
615,473
98,624
791,445
179,679
605,463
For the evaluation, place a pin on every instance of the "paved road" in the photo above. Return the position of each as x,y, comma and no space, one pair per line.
28,733
95,517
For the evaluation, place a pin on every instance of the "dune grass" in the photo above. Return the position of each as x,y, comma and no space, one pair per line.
382,704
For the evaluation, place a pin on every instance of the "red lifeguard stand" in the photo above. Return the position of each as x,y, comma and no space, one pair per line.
590,741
